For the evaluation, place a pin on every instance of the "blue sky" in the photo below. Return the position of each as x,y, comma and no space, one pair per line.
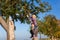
55,4
22,30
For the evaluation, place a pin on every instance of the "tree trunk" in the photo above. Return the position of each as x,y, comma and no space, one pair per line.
4,24
35,38
40,36
52,38
10,33
36,35
9,28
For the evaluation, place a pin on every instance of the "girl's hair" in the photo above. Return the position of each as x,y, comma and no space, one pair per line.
34,16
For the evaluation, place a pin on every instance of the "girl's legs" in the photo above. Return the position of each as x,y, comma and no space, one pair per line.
31,31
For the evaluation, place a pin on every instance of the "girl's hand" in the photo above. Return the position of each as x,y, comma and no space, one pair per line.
27,16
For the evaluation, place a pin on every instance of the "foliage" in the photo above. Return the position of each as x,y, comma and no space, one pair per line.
18,9
49,26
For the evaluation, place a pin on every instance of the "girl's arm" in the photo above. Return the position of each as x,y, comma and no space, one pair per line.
29,18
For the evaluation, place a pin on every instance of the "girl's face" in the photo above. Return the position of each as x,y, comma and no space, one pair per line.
33,16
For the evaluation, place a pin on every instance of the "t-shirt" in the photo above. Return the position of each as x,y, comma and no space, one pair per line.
33,21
